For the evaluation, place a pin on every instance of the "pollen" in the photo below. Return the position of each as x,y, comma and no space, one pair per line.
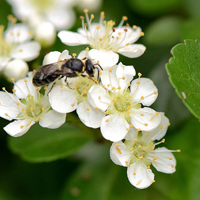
130,125
88,109
148,167
135,139
92,16
127,44
96,108
178,150
134,173
84,91
40,118
102,15
168,124
152,118
148,134
6,114
172,166
117,145
138,182
142,33
12,79
134,26
140,146
40,100
23,109
114,100
118,150
139,74
157,113
142,114
125,18
107,120
72,105
85,10
21,126
20,50
61,86
110,70
74,55
119,33
163,140
123,77
127,129
14,90
146,124
113,88
119,88
155,158
18,103
138,129
142,97
155,92
98,27
100,39
87,49
169,158
25,81
138,82
161,127
153,181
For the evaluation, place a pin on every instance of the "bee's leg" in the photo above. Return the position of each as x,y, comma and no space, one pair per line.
83,75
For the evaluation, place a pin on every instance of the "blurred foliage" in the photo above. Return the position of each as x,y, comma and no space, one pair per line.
90,174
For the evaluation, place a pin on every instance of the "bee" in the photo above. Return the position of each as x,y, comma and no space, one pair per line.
72,67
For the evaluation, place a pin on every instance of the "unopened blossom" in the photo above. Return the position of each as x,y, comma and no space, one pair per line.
138,151
15,43
57,12
26,106
105,39
66,97
123,105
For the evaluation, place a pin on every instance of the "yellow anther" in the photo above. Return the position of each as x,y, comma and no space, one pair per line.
134,26
138,183
110,70
127,24
178,150
142,97
30,33
128,84
21,126
135,139
168,124
146,124
127,163
119,88
172,166
163,140
161,127
157,113
127,44
100,73
31,108
107,120
125,18
20,50
6,114
119,33
139,74
18,34
113,88
45,87
114,100
152,118
98,27
23,109
102,15
155,158
138,82
37,90
127,129
92,16
98,62
142,114
40,118
100,39
169,158
85,10
18,103
117,38
77,85
84,91
138,129
12,79
43,109
25,81
155,92
140,146
96,108
59,60
141,157
74,55
128,112
117,145
106,112
142,33
87,49
61,86
5,47
134,173
82,17
118,150
72,105
88,109
3,88
148,134
130,125
153,181
148,167
103,86
14,90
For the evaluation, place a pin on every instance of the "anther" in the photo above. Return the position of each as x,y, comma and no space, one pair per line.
106,112
140,146
113,29
169,158
155,92
3,88
20,50
61,86
87,49
138,129
74,55
142,33
82,17
100,39
40,118
153,181
31,108
127,129
127,44
168,124
18,103
125,30
119,33
92,16
118,150
142,97
148,134
139,74
128,112
119,88
30,33
123,77
146,124
25,81
134,26
110,70
142,114
102,15
161,127
84,91
6,114
127,24
163,141
14,90
12,79
113,88
72,105
100,73
23,109
88,109
178,150
125,18
117,145
148,167
98,27
96,108
138,82
130,125
45,87
37,90
128,84
157,113
85,10
155,158
107,120
134,173
172,166
21,126
43,109
138,183
135,139
114,100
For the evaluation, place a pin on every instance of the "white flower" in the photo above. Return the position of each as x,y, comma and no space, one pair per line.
57,12
15,44
67,97
92,5
105,40
137,152
122,105
27,106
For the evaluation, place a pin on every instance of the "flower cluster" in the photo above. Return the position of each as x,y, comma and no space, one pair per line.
103,91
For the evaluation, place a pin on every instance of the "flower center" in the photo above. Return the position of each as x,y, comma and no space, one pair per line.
43,5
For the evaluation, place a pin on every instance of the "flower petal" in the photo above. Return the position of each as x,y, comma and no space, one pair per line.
64,55
27,51
8,106
165,162
114,127
145,118
144,91
63,99
90,116
51,57
24,87
119,154
72,39
52,119
105,58
139,176
18,127
132,50
98,97
160,131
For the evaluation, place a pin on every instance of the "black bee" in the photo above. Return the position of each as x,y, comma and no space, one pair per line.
72,67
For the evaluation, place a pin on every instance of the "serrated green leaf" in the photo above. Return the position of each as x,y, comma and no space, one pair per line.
45,145
184,74
164,31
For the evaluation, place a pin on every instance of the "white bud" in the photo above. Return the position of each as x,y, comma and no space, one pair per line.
45,33
16,69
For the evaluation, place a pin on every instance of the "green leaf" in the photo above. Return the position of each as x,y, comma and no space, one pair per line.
45,145
164,31
154,7
184,74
